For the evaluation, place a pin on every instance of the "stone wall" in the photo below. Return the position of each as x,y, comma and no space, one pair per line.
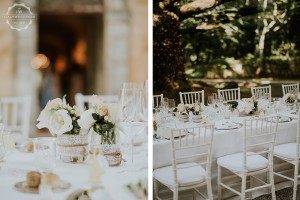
7,50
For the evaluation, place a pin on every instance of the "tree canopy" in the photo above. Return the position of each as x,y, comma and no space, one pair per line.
227,39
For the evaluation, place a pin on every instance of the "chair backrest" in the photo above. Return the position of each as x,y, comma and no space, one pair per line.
298,136
156,100
287,88
82,101
15,114
259,136
230,94
256,91
191,97
192,144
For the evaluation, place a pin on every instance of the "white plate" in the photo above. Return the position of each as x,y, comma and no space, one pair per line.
227,126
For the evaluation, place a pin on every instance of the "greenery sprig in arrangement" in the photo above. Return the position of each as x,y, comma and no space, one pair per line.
100,120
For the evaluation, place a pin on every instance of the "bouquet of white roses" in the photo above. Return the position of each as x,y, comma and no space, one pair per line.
289,98
59,117
195,108
100,120
247,105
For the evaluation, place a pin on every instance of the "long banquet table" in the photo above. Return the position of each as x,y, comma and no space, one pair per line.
16,165
225,142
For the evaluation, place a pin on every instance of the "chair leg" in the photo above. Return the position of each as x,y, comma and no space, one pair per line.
194,195
271,178
243,189
155,187
251,186
175,194
209,189
219,181
295,181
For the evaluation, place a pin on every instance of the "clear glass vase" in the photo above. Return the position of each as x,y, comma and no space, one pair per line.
107,144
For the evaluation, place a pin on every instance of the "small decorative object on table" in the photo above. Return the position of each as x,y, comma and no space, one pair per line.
290,99
196,109
100,120
183,116
61,120
247,106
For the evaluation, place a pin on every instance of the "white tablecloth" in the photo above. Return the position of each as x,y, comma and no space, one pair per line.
225,142
17,164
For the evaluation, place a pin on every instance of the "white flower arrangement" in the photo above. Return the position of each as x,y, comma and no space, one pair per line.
247,105
59,117
100,120
263,104
181,108
195,108
289,98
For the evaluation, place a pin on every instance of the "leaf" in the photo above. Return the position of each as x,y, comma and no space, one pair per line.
95,116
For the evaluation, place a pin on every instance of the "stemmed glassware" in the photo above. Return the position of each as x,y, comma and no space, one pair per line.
172,105
133,112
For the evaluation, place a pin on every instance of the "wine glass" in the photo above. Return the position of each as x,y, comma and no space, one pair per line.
132,104
172,105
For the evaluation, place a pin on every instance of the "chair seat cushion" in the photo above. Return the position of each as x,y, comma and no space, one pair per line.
187,174
287,151
234,162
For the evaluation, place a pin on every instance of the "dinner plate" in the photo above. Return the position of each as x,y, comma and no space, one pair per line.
23,187
228,126
283,119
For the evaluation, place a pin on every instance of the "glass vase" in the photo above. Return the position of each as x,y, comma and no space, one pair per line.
107,144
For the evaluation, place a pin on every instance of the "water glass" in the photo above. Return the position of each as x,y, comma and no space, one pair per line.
171,105
44,153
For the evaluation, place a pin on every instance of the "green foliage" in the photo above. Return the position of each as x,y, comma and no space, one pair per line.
235,30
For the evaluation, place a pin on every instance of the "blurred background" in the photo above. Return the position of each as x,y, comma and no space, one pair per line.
73,46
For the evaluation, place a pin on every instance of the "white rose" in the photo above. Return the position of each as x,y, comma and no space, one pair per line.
197,108
262,104
45,115
286,96
44,119
95,101
86,119
114,109
181,107
60,122
53,104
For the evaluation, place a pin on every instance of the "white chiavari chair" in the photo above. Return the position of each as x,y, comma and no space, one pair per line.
15,113
289,153
286,88
157,99
192,97
230,94
82,101
191,162
258,141
255,91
